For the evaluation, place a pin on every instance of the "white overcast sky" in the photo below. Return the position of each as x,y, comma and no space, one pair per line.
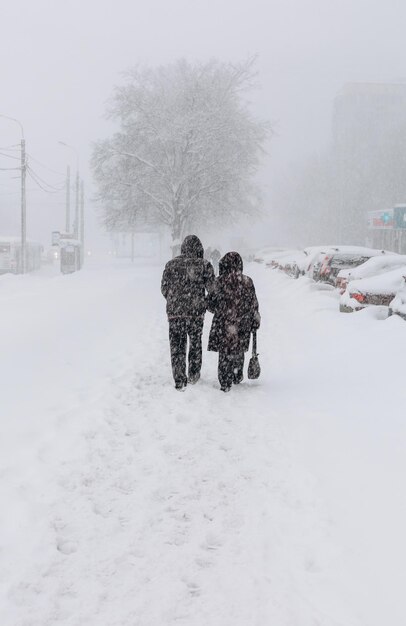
61,58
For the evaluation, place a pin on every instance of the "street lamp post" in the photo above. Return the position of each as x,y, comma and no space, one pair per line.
82,224
67,204
76,222
23,194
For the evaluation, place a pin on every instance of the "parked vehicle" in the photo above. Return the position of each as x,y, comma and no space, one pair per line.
70,251
288,261
313,259
10,255
267,254
398,305
372,267
377,290
320,256
333,263
49,256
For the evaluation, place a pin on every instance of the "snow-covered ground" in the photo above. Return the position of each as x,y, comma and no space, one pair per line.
126,503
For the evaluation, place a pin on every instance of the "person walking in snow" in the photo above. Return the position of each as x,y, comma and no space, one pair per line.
186,281
236,314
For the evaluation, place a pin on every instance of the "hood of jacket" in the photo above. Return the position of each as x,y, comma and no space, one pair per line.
192,247
231,262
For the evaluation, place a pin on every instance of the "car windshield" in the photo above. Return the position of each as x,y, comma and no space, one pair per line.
344,261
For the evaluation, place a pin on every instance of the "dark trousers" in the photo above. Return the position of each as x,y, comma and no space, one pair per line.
231,365
179,330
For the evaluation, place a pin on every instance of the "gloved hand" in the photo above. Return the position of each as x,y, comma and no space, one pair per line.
256,323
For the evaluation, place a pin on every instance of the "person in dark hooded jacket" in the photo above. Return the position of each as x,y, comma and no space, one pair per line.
185,283
235,307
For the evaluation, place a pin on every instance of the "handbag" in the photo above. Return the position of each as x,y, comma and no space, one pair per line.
254,368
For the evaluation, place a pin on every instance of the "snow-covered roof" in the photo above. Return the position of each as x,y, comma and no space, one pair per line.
291,255
285,256
268,253
69,242
346,249
387,283
311,250
374,266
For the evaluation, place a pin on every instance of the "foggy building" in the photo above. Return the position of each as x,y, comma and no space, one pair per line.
365,113
369,130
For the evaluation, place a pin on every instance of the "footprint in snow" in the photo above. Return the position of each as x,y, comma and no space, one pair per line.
311,566
182,419
203,563
102,509
212,542
193,589
66,546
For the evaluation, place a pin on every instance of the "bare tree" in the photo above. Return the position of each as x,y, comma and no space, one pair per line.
187,150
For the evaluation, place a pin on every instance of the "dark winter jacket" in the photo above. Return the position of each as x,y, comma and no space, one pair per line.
235,307
186,279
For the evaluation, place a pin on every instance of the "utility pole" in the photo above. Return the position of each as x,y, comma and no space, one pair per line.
67,218
23,207
23,197
82,223
76,222
77,205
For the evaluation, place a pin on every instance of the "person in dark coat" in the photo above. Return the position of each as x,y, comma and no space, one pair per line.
235,307
186,280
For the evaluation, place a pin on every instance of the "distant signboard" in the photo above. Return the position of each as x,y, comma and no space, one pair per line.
56,235
400,216
382,219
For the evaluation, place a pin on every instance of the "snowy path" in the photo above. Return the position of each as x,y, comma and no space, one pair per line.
130,504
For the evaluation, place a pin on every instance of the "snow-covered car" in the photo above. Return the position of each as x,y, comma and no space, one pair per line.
288,262
267,254
333,263
49,256
398,304
376,290
313,259
320,257
372,267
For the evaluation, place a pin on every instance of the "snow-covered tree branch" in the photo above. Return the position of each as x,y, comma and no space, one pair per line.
187,150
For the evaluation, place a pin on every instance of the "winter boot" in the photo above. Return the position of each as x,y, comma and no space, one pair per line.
181,385
193,378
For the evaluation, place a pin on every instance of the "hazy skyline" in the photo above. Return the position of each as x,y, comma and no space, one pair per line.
60,61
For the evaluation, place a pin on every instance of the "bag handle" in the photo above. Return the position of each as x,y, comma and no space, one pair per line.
254,343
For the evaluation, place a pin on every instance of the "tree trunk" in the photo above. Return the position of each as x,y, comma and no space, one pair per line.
176,234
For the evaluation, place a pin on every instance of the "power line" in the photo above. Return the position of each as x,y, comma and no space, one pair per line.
39,184
17,193
45,166
43,183
42,180
9,156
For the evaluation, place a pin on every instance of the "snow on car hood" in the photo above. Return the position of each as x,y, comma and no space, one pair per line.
398,304
389,282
